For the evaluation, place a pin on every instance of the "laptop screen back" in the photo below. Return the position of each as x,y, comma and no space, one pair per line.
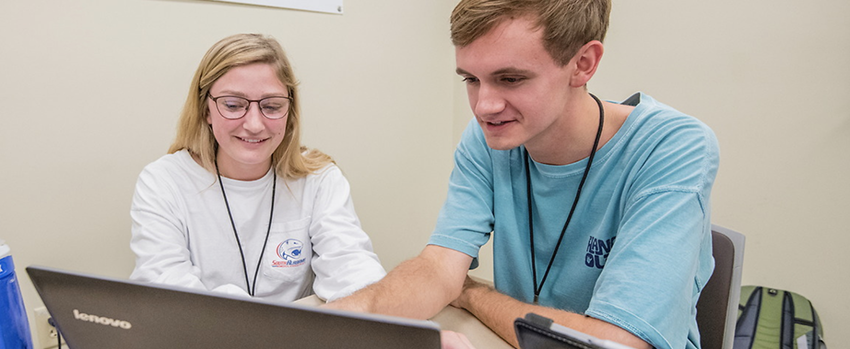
95,312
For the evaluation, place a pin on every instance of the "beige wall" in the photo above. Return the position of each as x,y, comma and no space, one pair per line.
92,89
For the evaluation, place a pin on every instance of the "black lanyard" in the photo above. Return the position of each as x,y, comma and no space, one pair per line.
251,288
538,288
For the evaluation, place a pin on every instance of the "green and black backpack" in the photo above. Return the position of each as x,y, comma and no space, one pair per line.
775,319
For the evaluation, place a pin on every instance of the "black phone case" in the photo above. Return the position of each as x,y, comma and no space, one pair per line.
533,332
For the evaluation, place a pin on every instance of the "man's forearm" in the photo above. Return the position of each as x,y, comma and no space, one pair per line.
498,311
417,288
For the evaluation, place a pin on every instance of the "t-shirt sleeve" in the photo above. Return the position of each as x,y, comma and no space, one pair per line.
159,234
466,219
662,256
343,260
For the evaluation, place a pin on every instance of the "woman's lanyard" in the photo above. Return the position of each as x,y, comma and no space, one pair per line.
251,287
538,288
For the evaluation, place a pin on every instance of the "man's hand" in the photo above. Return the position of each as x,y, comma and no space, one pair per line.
468,284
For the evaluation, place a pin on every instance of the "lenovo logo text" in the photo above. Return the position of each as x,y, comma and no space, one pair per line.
101,320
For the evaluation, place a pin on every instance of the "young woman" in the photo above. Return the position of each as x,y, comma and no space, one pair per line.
238,205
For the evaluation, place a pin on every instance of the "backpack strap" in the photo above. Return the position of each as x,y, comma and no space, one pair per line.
748,316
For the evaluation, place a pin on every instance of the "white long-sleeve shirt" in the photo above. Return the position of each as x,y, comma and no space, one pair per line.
182,234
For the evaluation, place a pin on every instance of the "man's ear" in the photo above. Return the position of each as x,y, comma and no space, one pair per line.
586,61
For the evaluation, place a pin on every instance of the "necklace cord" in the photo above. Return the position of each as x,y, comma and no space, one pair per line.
252,287
268,232
530,225
538,289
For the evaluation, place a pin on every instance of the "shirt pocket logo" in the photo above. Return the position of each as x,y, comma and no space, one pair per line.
290,251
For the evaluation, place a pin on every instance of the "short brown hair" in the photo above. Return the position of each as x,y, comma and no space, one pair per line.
567,24
290,159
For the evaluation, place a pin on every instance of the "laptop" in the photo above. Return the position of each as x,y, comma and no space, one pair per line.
93,312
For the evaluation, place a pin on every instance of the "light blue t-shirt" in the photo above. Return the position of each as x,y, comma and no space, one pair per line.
638,250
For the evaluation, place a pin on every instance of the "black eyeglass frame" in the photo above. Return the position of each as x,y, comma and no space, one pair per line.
215,101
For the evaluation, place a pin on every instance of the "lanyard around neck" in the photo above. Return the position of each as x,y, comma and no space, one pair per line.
538,288
251,287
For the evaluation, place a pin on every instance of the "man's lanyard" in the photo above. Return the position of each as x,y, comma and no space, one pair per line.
538,288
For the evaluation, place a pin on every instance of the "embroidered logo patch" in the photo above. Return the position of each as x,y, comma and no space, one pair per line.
290,251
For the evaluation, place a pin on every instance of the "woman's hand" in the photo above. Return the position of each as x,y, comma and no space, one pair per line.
454,340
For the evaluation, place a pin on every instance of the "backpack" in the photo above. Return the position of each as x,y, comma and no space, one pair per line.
775,319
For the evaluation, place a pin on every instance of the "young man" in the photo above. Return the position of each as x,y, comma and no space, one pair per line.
599,211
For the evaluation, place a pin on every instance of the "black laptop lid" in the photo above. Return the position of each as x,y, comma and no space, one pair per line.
95,312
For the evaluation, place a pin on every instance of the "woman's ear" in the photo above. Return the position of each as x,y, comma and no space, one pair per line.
586,61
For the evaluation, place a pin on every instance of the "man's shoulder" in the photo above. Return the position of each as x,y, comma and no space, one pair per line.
652,119
657,112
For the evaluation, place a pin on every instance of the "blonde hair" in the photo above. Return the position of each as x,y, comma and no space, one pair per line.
567,24
290,159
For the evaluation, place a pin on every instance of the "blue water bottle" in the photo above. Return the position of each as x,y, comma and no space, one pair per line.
14,327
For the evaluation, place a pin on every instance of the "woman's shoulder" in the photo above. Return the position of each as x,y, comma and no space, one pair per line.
329,172
169,161
179,164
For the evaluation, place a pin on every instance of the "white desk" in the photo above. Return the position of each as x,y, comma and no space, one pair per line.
453,319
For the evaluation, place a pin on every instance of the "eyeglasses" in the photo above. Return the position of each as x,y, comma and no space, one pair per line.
232,107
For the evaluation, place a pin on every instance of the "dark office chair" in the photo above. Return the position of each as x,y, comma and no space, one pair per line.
717,305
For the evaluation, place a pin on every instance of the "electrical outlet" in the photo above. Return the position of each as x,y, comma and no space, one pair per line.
45,333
